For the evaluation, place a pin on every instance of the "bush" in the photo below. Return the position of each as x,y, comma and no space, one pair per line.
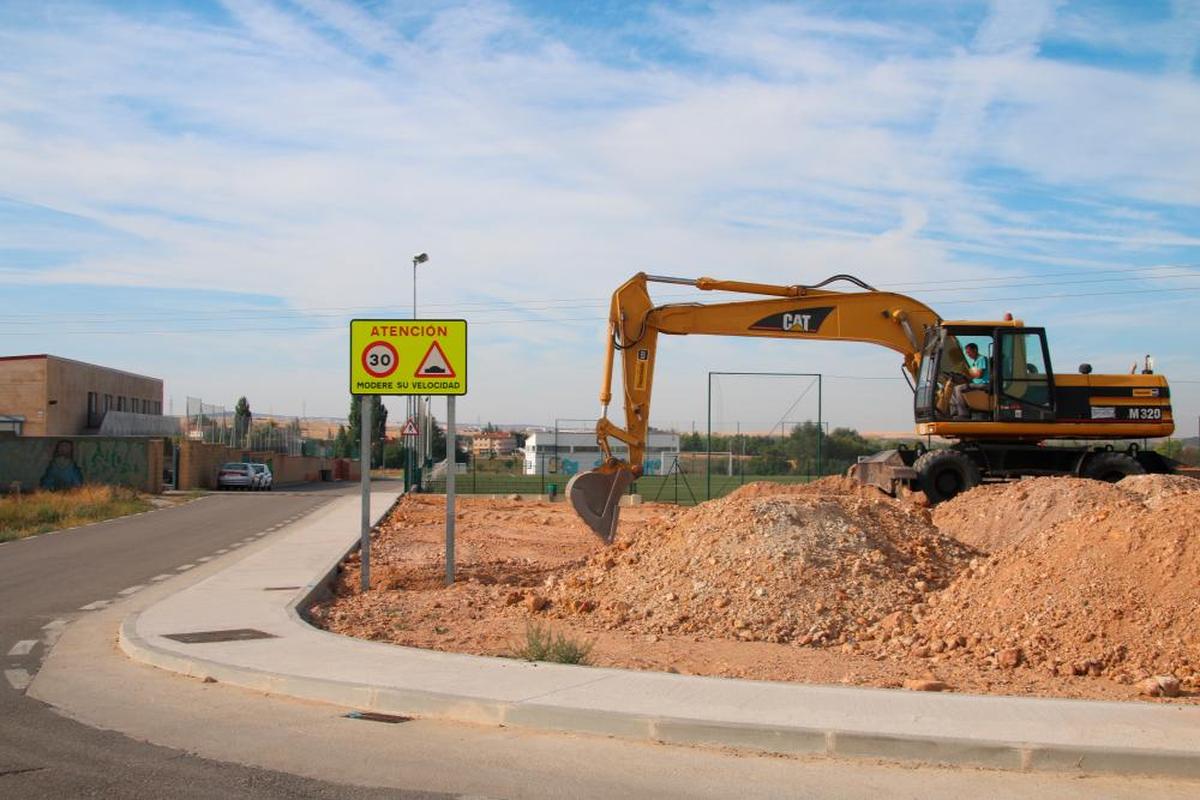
543,644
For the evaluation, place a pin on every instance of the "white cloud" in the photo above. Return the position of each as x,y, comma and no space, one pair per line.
309,149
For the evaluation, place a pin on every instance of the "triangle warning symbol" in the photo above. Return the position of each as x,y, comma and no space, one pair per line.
434,364
410,429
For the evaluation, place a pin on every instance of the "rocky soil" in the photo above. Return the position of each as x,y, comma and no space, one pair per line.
1100,579
1055,587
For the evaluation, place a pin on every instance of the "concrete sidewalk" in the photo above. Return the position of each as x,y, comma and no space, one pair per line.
263,591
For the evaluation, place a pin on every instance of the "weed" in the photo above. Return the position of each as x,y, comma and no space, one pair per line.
543,644
38,512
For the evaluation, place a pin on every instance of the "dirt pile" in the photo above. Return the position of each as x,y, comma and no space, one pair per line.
812,564
1095,579
993,517
1058,587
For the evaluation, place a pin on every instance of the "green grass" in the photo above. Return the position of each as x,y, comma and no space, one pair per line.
650,487
30,514
543,644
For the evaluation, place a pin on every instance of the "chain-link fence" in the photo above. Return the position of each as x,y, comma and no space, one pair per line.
275,433
680,468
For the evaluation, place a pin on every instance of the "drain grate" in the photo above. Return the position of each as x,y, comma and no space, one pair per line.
234,635
375,716
280,588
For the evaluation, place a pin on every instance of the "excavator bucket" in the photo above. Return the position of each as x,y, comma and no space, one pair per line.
596,497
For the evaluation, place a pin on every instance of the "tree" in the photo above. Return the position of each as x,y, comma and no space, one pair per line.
393,456
242,420
379,434
378,427
438,445
341,443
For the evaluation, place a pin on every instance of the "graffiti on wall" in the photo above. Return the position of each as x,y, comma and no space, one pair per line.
62,472
55,463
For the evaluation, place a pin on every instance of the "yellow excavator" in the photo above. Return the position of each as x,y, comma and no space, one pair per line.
986,385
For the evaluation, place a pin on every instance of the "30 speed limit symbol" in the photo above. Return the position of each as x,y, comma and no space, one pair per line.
379,359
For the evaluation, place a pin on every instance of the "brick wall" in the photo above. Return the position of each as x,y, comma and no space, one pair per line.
199,462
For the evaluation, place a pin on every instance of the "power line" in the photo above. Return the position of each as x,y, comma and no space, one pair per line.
1182,272
521,320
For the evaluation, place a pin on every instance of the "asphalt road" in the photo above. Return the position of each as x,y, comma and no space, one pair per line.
47,581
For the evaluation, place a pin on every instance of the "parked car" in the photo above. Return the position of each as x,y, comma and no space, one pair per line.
262,476
236,475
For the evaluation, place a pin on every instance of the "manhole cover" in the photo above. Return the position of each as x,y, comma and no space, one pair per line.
234,635
375,716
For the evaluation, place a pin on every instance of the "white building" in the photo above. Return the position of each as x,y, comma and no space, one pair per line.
568,452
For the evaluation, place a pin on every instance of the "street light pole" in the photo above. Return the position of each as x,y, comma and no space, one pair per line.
413,402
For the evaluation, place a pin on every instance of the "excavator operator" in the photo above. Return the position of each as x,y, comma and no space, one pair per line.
978,380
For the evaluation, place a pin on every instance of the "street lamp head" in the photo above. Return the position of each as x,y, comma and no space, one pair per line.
420,258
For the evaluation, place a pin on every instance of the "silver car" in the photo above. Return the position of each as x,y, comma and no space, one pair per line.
263,479
236,475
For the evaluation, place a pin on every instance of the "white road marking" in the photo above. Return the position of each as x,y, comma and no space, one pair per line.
52,631
163,577
131,590
184,567
204,559
23,647
222,551
18,678
96,606
235,545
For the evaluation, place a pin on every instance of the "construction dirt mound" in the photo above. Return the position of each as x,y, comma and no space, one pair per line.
1046,586
1095,578
995,516
817,564
832,485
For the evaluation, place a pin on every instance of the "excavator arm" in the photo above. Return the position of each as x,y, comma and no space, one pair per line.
787,312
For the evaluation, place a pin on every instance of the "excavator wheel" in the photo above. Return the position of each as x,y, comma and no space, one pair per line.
942,474
1112,466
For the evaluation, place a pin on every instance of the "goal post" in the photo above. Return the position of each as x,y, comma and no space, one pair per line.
772,410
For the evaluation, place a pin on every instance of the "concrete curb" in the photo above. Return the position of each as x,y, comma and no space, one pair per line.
1024,756
768,737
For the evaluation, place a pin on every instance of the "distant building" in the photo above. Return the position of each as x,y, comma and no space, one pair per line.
44,395
569,452
493,443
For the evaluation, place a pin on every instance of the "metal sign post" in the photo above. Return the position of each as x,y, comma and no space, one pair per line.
451,468
364,460
415,358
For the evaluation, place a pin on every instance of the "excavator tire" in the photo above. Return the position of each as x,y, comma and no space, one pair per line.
1111,467
942,474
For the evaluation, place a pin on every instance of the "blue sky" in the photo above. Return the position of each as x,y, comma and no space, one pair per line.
208,191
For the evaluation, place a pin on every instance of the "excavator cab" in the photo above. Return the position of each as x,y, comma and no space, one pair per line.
1020,382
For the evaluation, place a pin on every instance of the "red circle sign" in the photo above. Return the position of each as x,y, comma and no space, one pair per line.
379,359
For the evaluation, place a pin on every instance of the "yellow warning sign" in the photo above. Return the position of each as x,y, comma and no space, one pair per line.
408,356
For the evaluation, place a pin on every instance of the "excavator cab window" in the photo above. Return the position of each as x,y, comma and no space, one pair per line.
925,398
1026,382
